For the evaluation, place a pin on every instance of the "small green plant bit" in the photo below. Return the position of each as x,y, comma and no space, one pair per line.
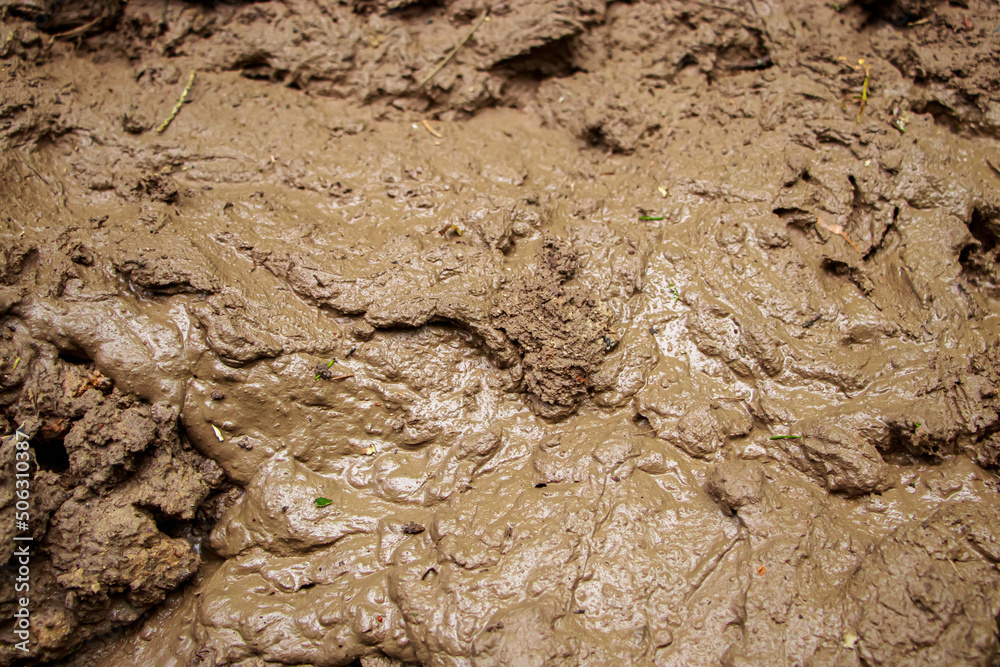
674,291
864,87
651,217
177,107
785,437
328,366
323,502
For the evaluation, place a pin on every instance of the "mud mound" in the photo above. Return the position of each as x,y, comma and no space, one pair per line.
115,498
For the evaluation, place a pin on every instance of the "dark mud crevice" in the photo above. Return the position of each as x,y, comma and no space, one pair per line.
596,138
956,122
980,259
404,9
890,235
171,526
51,454
553,59
905,445
795,217
983,225
899,14
74,356
854,274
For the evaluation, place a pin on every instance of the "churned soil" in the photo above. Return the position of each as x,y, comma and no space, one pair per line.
639,333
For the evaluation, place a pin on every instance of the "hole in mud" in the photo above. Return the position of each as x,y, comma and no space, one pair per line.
595,138
795,217
965,256
979,227
835,267
51,454
980,257
168,525
554,59
858,199
888,11
742,58
687,60
643,424
76,357
257,66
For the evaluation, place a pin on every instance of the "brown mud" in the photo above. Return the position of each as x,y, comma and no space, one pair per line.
537,352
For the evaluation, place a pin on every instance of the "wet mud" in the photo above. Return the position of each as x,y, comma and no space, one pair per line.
650,333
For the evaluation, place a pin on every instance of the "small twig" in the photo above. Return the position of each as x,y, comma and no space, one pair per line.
177,107
34,171
79,30
343,377
450,55
432,130
709,5
839,231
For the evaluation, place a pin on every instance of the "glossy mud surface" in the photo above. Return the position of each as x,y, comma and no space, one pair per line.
538,353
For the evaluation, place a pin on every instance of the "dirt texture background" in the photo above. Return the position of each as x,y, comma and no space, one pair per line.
670,338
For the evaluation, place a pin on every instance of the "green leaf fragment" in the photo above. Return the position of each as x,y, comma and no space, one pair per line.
323,502
785,437
651,217
218,433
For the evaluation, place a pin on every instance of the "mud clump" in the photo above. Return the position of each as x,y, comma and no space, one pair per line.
922,597
555,334
114,499
735,484
561,332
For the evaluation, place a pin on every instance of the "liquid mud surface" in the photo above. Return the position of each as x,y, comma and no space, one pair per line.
669,338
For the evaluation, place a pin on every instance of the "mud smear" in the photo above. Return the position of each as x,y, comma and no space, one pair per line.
647,348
